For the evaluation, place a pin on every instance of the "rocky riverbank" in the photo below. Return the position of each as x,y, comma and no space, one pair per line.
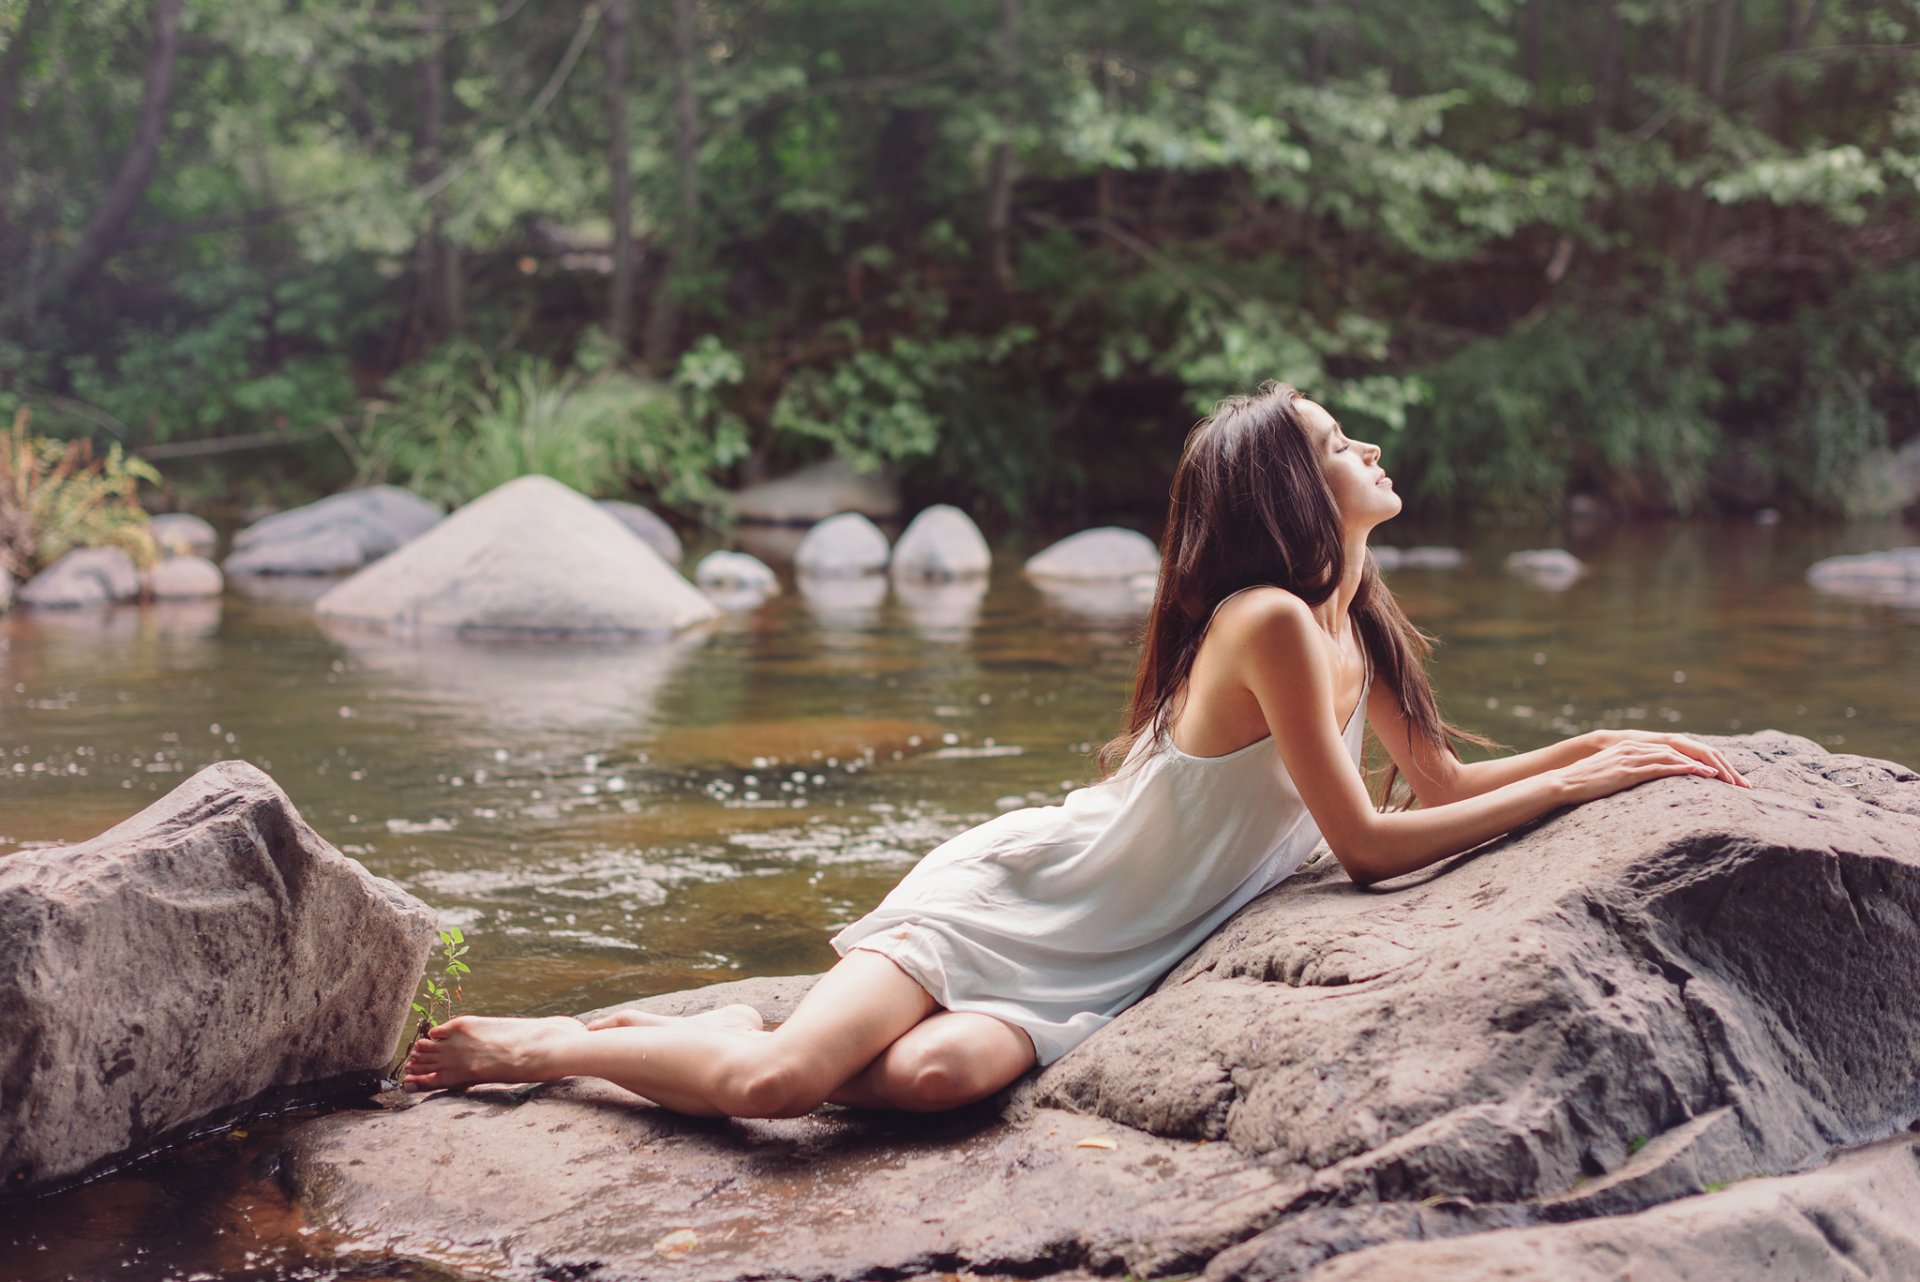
1632,1005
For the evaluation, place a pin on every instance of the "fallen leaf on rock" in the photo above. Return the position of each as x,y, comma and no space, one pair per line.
1097,1141
677,1243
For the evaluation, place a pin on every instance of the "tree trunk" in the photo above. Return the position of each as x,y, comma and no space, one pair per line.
619,178
104,230
663,314
439,257
1000,168
1702,213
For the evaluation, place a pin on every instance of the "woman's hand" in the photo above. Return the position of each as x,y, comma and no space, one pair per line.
1636,756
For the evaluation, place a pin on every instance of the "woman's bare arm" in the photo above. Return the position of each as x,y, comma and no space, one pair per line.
1438,777
1277,648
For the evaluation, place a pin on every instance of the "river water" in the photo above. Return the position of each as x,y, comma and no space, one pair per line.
609,822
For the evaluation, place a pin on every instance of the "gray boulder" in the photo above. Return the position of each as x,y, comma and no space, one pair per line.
653,530
1634,1001
941,543
6,589
1892,576
1104,554
735,572
815,493
842,546
1551,568
179,968
185,578
182,534
532,558
85,576
343,532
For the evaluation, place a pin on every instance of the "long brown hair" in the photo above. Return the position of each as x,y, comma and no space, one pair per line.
1250,507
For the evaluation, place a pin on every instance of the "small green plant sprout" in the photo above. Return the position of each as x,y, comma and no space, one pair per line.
440,994
1635,1144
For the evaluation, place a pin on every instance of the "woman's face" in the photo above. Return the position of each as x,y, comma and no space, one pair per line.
1361,488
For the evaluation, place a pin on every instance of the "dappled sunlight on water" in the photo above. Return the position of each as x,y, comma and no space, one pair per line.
612,821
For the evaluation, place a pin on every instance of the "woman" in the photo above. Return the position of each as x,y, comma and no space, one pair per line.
1013,942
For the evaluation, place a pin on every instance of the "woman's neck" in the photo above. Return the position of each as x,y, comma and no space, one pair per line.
1332,612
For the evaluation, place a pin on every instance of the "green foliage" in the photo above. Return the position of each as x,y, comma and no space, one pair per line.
1627,250
440,994
462,422
56,496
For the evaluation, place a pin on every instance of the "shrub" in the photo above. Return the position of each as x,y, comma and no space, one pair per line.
56,496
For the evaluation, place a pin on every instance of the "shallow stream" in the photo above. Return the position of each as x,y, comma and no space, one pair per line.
612,822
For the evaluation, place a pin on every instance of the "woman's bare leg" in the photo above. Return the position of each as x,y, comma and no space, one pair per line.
948,1059
739,1017
856,1011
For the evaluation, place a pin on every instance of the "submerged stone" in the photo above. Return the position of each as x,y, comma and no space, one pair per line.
1103,554
182,534
816,492
85,576
342,532
842,546
941,543
532,558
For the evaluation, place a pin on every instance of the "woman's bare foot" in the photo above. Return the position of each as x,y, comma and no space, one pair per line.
475,1048
745,1018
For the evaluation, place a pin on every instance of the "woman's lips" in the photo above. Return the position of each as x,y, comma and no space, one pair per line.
1386,481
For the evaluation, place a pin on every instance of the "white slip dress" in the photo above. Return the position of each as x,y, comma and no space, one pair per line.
1057,918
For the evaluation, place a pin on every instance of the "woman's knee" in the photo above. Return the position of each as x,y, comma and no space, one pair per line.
763,1080
940,1073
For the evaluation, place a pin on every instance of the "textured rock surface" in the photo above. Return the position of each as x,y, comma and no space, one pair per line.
532,558
185,578
1102,554
815,493
941,543
183,534
206,951
840,547
1852,1219
652,529
343,532
86,576
1678,986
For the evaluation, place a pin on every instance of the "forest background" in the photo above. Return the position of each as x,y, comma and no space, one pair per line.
1662,253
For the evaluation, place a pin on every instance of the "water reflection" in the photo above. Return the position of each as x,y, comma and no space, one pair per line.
942,611
848,601
515,687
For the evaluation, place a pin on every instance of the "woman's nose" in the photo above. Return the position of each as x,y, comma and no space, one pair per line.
1373,452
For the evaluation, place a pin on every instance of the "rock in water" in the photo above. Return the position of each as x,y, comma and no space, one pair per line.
652,529
6,589
815,493
735,572
185,578
1637,999
1551,568
86,576
842,546
533,558
941,543
343,532
182,534
1105,553
176,968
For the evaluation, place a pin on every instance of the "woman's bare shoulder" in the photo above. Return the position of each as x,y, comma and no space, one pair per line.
1269,627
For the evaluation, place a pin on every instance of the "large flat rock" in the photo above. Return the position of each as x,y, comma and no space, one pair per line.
1630,1003
532,558
208,952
